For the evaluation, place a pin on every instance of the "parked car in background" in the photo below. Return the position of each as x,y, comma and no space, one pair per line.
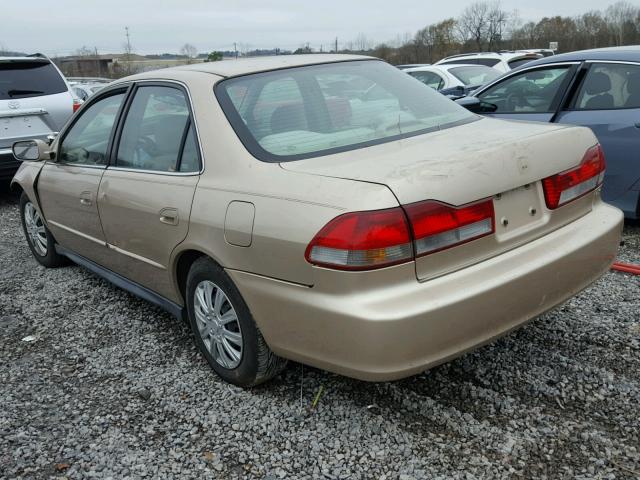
545,52
503,61
35,102
455,79
288,217
412,65
599,89
84,90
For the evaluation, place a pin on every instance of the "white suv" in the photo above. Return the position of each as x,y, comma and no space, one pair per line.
35,102
504,61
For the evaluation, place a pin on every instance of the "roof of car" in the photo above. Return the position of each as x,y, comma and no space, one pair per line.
501,55
628,53
243,66
24,59
445,67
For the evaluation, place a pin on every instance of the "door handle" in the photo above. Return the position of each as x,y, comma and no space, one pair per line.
169,216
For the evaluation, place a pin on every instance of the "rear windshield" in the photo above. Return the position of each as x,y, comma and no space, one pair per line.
29,79
321,109
475,75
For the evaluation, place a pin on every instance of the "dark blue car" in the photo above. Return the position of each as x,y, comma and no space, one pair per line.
599,89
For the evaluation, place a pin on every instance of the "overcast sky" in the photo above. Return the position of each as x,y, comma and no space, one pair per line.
63,26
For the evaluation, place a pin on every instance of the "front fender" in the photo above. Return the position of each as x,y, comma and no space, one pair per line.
27,178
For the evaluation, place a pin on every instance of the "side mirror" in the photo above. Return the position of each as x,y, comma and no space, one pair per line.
475,105
31,151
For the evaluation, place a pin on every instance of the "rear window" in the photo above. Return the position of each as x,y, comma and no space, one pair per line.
29,79
317,110
488,62
521,61
476,75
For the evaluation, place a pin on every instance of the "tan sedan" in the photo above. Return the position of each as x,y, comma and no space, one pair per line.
326,209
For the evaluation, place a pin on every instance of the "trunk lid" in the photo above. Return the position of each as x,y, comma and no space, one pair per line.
489,158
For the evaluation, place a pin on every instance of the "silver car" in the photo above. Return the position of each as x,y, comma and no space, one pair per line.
35,101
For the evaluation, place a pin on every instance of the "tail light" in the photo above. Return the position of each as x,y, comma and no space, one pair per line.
567,186
437,226
379,238
76,105
362,241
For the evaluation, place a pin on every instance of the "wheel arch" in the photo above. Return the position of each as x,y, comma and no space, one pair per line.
182,263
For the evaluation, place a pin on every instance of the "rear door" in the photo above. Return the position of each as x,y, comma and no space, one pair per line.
533,94
68,187
608,101
146,192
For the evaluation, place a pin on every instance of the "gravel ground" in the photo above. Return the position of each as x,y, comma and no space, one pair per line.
113,387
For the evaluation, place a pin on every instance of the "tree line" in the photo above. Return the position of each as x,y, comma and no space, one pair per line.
486,26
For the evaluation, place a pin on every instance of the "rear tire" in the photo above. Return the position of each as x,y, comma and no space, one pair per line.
40,240
224,329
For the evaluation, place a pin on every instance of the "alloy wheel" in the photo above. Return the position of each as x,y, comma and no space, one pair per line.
218,324
35,229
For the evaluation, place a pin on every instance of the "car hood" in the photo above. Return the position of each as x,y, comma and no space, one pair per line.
460,164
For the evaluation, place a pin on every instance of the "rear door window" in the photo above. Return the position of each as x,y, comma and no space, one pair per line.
430,79
22,79
153,132
513,64
609,86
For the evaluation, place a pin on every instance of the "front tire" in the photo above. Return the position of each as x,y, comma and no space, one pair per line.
40,240
224,329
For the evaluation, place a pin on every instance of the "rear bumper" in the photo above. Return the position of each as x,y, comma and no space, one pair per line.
8,164
392,327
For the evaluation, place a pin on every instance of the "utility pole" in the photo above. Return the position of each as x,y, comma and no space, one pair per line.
98,73
235,48
128,52
336,45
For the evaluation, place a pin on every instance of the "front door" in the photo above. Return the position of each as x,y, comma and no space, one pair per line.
532,95
146,193
68,186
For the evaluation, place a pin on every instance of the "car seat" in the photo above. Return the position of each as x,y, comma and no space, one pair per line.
167,135
287,118
598,84
633,88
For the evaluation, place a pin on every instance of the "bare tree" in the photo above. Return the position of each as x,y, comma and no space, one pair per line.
593,29
361,43
497,20
618,16
189,51
473,23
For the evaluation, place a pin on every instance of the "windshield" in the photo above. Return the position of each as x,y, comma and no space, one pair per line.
29,79
475,74
321,109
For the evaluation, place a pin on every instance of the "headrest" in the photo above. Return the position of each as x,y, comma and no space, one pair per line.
597,83
633,84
